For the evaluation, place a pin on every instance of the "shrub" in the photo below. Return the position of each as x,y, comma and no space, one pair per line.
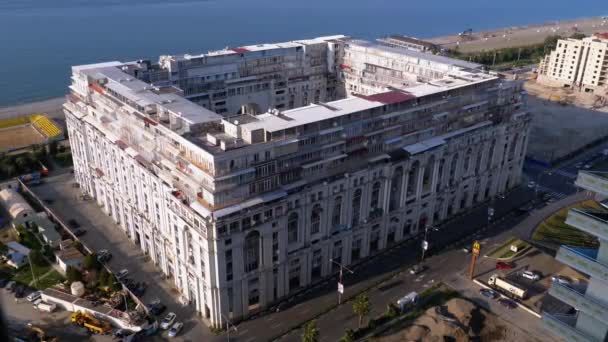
73,274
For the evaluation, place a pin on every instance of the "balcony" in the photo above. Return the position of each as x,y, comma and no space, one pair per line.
583,260
593,181
559,326
594,222
580,302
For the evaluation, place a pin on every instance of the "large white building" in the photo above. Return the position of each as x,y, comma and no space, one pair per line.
242,172
590,322
577,63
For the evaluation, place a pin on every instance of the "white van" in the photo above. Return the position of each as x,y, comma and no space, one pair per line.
531,275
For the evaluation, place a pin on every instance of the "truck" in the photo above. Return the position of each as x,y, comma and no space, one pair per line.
510,288
91,323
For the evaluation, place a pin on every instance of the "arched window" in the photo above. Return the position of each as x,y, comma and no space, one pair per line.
356,208
427,177
336,215
512,147
395,195
251,251
412,182
315,219
292,228
440,174
478,161
375,195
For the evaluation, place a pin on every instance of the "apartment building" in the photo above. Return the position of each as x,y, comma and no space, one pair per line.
411,43
329,148
577,63
590,299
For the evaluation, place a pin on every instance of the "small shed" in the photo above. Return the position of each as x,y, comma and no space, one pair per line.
17,254
48,231
19,210
69,257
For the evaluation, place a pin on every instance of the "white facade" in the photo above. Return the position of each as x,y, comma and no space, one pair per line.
243,210
577,63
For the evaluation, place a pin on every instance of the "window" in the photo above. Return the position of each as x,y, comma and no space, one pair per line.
337,212
395,195
375,195
356,217
252,251
315,219
292,228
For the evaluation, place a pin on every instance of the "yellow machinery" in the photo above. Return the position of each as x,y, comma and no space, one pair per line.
93,324
40,334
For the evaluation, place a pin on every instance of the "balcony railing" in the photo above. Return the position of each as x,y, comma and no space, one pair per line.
582,262
580,302
568,332
593,222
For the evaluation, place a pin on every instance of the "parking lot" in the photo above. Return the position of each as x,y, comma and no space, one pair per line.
538,262
65,201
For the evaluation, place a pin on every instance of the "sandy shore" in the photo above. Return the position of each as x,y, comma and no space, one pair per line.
51,107
522,35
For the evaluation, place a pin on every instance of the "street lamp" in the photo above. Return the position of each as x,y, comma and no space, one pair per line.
340,285
228,324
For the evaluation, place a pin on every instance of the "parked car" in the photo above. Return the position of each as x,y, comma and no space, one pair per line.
33,296
122,273
73,223
79,231
467,250
416,269
175,329
562,280
488,293
19,292
11,286
104,255
3,283
501,265
156,307
531,275
140,289
531,184
507,303
168,321
36,303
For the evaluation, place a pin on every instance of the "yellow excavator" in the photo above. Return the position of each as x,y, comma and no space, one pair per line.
38,333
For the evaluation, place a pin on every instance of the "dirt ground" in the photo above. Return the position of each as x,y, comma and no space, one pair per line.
563,120
18,137
458,320
521,35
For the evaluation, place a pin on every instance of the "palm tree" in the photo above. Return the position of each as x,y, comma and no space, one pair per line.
310,333
361,307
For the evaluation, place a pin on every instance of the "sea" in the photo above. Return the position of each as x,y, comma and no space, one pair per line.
41,39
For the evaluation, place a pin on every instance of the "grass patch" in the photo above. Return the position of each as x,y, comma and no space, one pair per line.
28,239
50,280
498,251
24,274
504,251
555,230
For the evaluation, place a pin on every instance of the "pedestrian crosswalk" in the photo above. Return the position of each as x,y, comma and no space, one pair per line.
553,193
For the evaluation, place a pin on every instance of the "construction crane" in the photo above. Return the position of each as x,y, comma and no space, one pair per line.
37,332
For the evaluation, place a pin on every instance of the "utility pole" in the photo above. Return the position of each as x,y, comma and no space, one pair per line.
32,270
228,324
518,54
494,60
340,285
425,244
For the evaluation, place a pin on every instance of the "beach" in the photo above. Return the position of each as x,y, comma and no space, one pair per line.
521,35
51,107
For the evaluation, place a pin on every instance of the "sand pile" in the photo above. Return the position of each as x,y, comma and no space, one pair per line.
457,320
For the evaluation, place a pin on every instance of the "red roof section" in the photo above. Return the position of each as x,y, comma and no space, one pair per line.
240,50
603,35
390,97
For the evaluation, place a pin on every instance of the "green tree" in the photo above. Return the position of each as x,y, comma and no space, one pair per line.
23,162
349,336
361,307
73,274
392,310
310,333
104,278
36,258
91,263
53,148
578,35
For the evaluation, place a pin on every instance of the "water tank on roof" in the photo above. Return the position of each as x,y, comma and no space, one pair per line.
77,288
